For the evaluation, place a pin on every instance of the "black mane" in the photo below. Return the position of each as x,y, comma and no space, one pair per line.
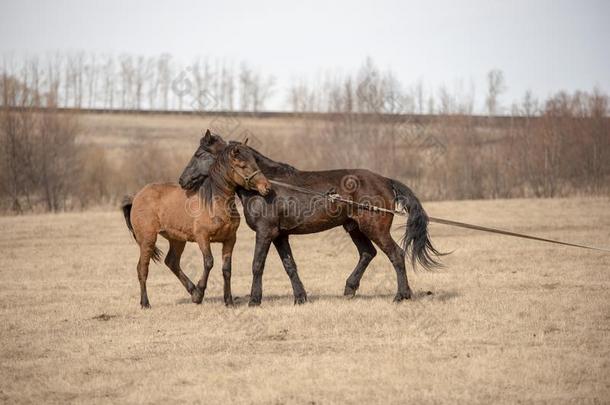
218,181
271,167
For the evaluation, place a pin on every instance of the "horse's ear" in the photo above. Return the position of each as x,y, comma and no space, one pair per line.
246,141
207,138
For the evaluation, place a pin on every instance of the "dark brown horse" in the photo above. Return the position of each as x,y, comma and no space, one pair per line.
204,217
287,211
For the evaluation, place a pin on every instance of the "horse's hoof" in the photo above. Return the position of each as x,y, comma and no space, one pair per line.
197,296
402,296
146,305
254,303
300,300
229,302
349,292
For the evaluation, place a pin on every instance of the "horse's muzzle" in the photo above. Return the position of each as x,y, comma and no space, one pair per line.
263,188
190,183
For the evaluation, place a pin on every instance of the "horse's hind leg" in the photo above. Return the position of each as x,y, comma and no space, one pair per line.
380,234
146,252
283,248
367,252
172,260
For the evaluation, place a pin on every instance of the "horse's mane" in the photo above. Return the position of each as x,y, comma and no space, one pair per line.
217,181
271,167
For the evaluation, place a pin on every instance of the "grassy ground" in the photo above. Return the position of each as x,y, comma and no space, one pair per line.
508,320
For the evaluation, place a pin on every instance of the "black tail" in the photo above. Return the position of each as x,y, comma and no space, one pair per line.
126,207
416,242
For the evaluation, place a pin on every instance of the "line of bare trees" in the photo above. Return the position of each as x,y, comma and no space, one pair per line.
38,152
556,147
542,148
371,90
135,82
45,166
88,80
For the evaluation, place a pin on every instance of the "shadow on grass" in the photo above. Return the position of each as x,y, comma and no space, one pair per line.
238,301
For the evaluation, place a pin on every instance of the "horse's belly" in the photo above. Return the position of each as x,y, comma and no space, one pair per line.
302,230
306,225
177,234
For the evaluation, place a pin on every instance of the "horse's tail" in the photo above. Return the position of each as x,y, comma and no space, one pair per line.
416,241
126,208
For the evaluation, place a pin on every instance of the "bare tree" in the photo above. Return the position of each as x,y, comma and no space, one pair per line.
67,81
164,78
35,85
261,91
254,88
53,78
152,92
127,81
245,85
56,155
446,100
204,99
109,77
74,78
36,149
90,76
420,100
300,97
13,145
228,88
495,87
142,73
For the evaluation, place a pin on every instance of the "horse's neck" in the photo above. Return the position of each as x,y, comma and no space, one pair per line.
271,167
219,195
224,206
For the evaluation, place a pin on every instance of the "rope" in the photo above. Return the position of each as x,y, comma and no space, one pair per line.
509,233
336,197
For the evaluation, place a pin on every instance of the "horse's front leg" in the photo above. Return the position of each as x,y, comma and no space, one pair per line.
227,252
208,263
263,241
282,245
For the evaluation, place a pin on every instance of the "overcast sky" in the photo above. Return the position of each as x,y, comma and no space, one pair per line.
540,45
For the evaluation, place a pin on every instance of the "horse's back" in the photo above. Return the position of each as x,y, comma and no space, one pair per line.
161,207
340,174
348,182
158,192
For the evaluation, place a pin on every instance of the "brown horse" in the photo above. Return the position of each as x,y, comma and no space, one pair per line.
204,216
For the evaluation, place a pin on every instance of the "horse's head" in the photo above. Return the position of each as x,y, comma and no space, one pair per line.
243,168
197,168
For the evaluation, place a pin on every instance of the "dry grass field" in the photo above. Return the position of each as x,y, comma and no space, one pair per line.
181,132
507,320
